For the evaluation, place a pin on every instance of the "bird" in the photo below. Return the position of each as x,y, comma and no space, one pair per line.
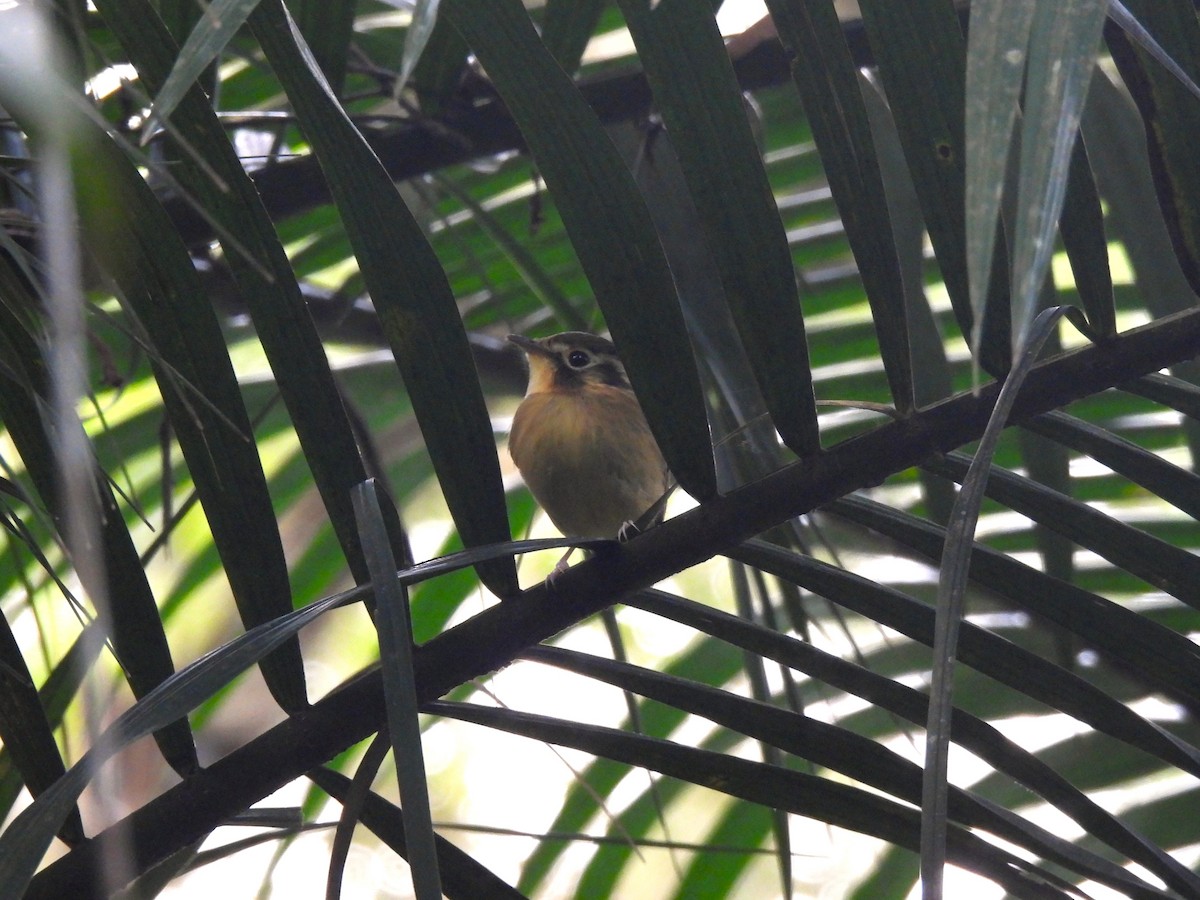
581,440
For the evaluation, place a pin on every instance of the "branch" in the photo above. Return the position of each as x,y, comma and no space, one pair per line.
498,635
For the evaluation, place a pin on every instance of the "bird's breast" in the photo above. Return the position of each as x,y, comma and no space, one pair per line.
588,457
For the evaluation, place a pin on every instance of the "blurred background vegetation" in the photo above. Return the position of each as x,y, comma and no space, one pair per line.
289,256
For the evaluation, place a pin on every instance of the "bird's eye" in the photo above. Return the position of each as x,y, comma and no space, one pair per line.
577,359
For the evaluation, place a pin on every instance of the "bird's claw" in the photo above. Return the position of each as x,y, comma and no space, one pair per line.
559,567
627,531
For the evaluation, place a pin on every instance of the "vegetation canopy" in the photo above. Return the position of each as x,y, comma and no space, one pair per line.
908,294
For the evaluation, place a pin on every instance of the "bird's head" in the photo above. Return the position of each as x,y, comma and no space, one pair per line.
571,361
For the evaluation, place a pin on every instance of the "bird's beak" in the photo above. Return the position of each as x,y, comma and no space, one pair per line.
529,345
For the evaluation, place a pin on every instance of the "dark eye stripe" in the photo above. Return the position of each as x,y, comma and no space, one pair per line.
611,373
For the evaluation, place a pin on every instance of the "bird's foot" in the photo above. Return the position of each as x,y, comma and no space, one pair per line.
559,567
628,531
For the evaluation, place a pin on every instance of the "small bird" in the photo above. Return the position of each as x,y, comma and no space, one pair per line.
581,440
